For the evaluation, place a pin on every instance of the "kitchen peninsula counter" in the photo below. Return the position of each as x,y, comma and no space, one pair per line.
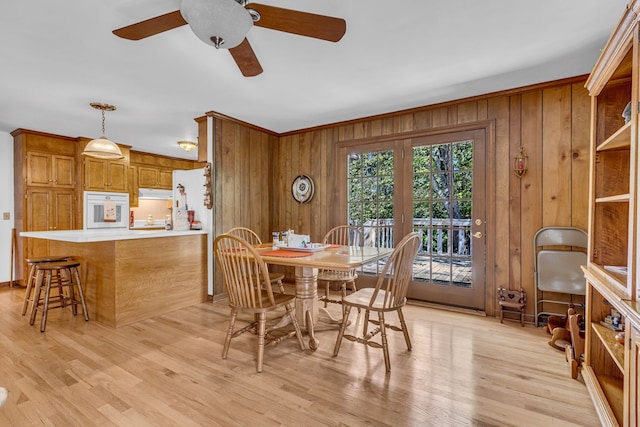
132,275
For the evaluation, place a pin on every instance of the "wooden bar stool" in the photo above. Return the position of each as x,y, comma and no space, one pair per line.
31,280
60,276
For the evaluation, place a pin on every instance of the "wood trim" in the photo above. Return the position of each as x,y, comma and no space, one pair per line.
241,122
481,124
615,49
21,131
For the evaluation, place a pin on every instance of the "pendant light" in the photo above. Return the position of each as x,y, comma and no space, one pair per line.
102,148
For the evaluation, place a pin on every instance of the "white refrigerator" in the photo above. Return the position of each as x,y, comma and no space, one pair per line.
189,187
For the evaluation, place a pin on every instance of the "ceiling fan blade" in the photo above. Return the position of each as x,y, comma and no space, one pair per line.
152,26
301,23
246,59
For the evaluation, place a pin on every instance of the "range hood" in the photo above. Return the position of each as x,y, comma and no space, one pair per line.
154,194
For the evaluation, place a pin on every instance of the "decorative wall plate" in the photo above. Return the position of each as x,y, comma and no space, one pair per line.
302,188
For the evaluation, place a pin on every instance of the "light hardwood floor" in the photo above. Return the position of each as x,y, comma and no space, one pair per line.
167,371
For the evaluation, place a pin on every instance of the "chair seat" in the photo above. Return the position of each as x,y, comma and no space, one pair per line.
512,304
279,301
274,277
362,299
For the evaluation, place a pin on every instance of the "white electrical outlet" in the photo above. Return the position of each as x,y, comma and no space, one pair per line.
6,216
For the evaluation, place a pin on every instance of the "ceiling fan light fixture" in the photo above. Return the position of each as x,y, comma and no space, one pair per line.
102,147
223,20
187,145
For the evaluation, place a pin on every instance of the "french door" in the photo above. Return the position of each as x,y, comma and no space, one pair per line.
433,185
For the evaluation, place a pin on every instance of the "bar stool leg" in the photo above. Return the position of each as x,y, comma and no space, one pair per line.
45,309
36,296
27,293
81,294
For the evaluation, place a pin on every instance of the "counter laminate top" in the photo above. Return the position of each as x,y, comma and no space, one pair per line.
85,236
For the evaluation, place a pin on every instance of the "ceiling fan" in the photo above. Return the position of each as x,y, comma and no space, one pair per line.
225,24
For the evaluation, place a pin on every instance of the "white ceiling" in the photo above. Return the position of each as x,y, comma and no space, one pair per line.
58,56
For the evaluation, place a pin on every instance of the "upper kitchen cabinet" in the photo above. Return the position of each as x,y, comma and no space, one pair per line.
45,169
155,171
46,160
106,175
154,177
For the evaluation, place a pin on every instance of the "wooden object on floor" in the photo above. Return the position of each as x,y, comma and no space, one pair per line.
251,293
390,294
31,278
511,300
63,278
574,352
253,239
344,235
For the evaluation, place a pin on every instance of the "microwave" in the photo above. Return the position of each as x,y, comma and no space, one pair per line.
106,210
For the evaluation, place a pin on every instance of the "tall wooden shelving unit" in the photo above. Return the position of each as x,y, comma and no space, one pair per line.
610,369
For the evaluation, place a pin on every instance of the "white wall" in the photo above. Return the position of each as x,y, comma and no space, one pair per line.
6,204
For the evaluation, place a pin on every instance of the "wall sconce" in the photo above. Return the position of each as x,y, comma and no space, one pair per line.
520,163
187,145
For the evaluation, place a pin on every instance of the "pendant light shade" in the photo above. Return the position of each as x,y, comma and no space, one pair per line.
102,147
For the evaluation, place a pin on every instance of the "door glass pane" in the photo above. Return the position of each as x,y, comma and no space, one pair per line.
370,198
442,178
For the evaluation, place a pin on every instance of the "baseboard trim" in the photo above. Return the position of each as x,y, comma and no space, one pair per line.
448,308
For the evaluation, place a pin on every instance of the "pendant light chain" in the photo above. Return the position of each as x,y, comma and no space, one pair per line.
103,122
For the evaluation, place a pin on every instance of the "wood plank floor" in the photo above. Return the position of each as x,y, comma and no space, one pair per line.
464,370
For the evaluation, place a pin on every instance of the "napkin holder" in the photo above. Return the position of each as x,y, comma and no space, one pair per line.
299,240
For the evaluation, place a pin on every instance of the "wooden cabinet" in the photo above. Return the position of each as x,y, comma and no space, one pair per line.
46,174
44,169
132,185
610,369
150,177
105,175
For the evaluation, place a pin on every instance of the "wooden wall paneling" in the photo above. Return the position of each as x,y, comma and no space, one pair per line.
305,168
467,112
556,184
403,123
440,117
387,126
531,188
580,151
422,119
557,159
293,214
319,168
482,109
375,128
515,184
279,169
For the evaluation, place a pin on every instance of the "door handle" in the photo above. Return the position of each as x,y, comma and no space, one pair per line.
477,235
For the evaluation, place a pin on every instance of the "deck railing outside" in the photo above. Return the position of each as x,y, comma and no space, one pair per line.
379,233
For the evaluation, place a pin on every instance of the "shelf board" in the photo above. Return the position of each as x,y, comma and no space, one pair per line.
620,139
608,339
618,198
613,387
612,285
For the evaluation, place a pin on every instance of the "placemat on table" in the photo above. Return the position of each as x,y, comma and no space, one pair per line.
283,253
